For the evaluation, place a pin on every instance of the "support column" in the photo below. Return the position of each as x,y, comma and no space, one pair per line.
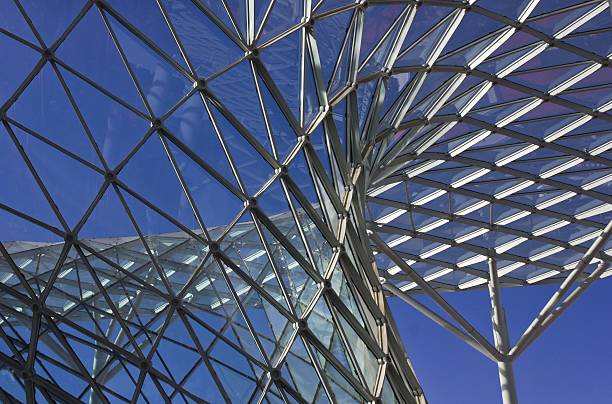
500,334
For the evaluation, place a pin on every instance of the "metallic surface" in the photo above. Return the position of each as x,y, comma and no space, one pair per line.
210,201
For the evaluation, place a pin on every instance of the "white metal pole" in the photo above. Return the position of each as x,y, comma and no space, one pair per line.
500,333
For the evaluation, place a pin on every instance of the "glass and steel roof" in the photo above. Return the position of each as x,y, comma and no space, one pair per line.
225,173
503,148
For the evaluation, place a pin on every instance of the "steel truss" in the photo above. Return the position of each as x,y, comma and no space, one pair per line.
219,195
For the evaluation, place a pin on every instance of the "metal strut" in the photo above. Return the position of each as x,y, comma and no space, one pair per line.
500,334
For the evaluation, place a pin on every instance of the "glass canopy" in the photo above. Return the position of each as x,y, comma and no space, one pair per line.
208,200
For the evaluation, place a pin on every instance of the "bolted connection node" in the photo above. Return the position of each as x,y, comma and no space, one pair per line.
69,238
214,247
199,84
47,54
25,374
157,124
327,286
304,138
110,176
309,23
252,53
145,365
35,307
175,302
301,325
251,203
275,374
282,171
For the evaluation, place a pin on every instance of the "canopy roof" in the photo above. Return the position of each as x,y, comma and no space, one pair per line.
266,152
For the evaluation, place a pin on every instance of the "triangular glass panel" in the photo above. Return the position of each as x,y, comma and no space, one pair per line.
299,372
283,62
301,174
474,51
199,35
321,6
45,109
597,42
237,10
72,185
176,354
428,45
253,169
343,290
555,23
342,75
460,103
297,283
378,52
125,379
12,20
496,114
12,74
217,211
191,124
323,148
148,18
201,383
115,128
29,200
545,80
151,174
239,385
284,137
497,64
282,17
219,10
273,328
328,33
90,50
50,29
382,19
342,390
161,83
237,92
311,103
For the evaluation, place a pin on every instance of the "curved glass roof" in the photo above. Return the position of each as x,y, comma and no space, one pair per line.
502,151
227,160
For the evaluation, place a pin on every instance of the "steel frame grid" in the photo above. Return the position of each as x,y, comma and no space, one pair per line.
359,165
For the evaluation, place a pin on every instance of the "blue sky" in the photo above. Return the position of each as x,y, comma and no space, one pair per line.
569,363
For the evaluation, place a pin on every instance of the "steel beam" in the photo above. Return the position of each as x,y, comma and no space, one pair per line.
524,340
441,321
434,295
500,334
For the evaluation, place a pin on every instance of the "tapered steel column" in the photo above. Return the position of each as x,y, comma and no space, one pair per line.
500,334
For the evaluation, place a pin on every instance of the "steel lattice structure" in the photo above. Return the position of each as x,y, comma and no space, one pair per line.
209,200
